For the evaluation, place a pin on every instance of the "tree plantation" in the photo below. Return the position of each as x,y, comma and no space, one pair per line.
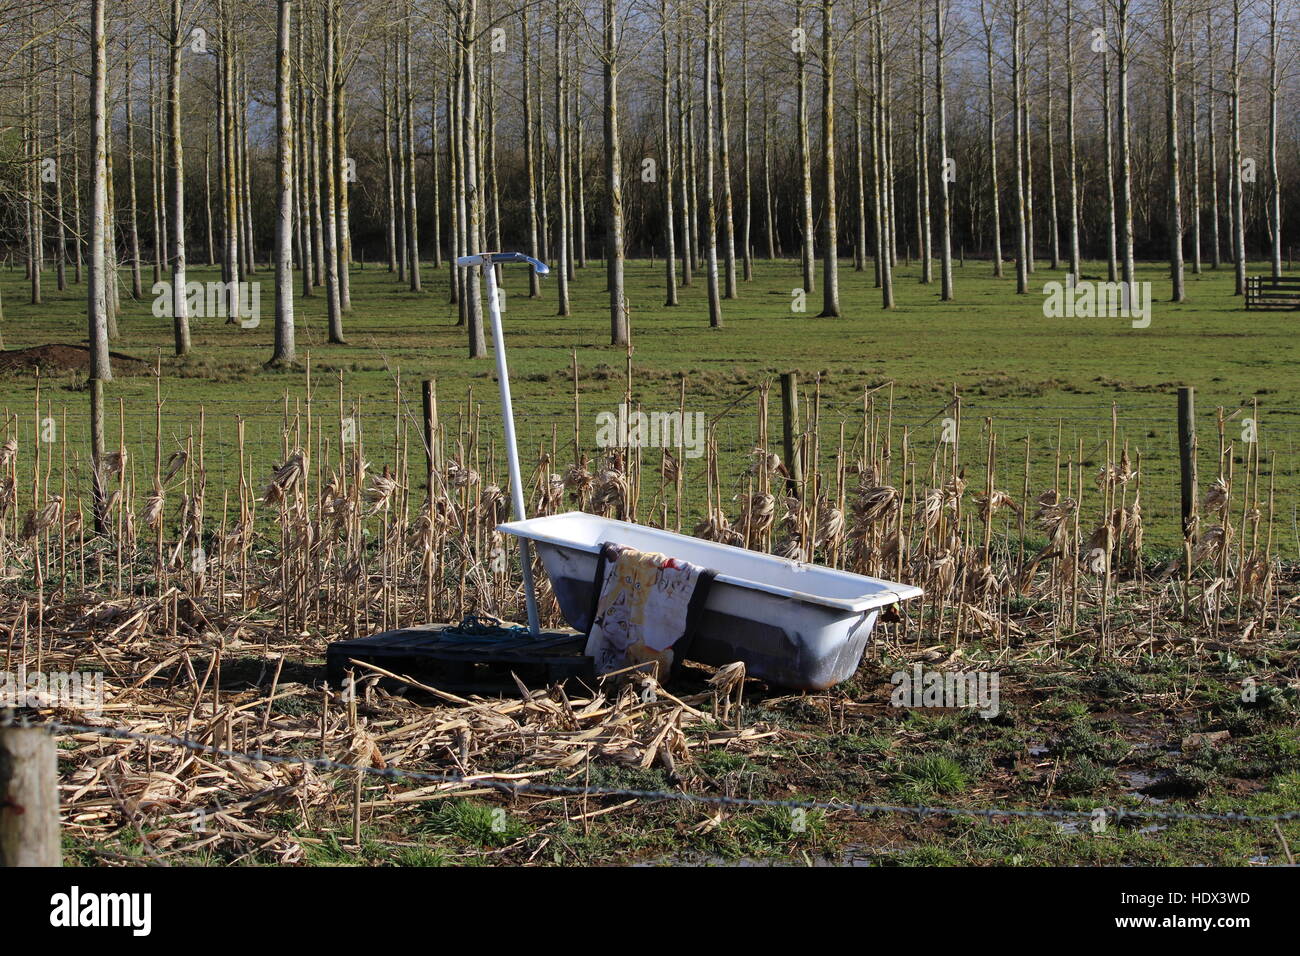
298,138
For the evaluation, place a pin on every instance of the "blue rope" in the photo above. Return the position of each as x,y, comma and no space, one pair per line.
473,628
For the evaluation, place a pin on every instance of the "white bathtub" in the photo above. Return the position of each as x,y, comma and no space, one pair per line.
797,625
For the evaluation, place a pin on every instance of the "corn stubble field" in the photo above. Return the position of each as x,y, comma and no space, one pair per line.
256,516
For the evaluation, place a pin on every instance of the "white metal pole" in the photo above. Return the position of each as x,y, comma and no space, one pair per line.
512,451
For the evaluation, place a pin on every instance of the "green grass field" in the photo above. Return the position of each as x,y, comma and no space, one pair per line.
1030,374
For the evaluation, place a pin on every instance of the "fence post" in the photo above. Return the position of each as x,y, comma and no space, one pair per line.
98,492
29,798
790,429
429,393
1187,456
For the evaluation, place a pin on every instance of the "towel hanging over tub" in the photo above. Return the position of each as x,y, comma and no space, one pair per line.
647,607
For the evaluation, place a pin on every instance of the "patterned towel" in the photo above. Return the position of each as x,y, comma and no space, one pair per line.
646,608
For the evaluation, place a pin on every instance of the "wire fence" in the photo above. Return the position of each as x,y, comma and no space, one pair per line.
1046,437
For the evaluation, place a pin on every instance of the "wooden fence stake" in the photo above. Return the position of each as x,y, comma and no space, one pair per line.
1187,456
99,494
29,798
790,427
429,392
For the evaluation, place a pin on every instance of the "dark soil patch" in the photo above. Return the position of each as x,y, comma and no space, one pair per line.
60,357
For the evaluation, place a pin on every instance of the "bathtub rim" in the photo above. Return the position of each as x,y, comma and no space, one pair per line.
892,593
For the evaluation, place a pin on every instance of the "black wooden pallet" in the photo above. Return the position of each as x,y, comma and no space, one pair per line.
438,655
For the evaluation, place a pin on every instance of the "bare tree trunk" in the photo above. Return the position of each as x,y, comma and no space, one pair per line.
691,178
301,240
710,212
859,161
1112,253
618,330
684,144
877,198
880,161
493,185
941,120
1175,206
343,177
304,152
543,206
473,203
79,234
137,281
402,216
229,203
96,285
891,196
1027,143
746,189
1274,177
60,228
314,149
576,220
456,173
1194,132
329,116
412,211
670,250
155,178
1125,148
534,281
573,152
29,165
921,154
1071,148
724,162
1017,68
994,201
207,195
283,353
561,171
805,157
1216,245
176,169
1053,213
34,188
830,252
1238,204
112,287
390,179
769,209
572,147
578,231
243,174
434,175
